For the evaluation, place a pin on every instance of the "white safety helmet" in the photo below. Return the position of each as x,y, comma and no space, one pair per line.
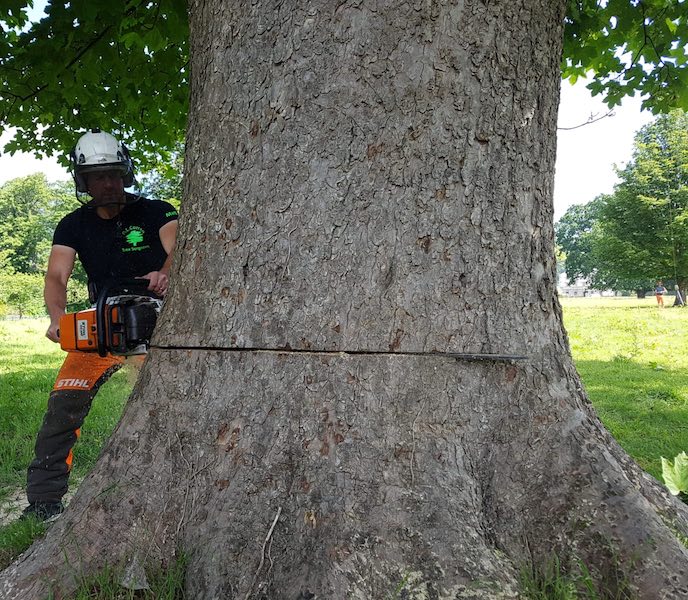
100,151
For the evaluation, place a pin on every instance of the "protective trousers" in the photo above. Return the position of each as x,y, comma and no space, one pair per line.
77,383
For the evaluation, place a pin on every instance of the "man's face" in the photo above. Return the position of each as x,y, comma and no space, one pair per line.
106,187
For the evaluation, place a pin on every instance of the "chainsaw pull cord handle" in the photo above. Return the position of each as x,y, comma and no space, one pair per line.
110,289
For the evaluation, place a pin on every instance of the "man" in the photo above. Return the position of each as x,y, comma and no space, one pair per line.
115,235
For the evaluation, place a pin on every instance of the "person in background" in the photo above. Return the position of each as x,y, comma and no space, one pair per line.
660,290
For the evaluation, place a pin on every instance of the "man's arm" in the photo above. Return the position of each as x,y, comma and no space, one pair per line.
159,280
60,266
168,238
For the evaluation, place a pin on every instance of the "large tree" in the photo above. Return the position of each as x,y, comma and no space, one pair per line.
30,208
124,66
643,226
360,381
638,234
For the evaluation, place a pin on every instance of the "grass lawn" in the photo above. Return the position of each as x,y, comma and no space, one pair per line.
28,365
634,365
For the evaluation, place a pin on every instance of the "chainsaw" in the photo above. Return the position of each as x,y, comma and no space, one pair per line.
121,322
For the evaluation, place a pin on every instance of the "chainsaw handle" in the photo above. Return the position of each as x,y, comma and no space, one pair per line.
112,288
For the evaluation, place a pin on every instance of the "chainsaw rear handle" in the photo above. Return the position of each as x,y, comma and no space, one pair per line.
113,288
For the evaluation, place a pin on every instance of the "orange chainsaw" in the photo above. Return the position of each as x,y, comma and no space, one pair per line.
121,322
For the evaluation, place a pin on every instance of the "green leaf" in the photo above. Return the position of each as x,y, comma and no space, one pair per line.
676,475
131,40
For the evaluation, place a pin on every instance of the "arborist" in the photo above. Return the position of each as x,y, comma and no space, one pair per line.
115,234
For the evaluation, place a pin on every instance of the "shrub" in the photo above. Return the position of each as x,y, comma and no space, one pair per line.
22,294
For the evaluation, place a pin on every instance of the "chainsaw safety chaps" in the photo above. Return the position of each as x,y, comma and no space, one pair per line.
77,383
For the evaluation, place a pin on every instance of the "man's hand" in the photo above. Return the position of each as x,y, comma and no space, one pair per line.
53,333
158,282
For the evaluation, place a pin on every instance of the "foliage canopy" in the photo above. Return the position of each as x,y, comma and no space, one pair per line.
123,66
120,66
639,233
630,46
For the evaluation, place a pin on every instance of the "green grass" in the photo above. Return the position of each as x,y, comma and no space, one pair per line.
17,537
553,582
163,584
28,365
633,362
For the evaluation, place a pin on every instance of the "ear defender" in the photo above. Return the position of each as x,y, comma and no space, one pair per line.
128,176
79,179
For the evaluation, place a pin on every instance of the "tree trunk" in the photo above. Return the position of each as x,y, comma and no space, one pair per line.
640,294
368,193
680,292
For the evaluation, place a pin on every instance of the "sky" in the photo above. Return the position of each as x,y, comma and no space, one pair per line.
586,156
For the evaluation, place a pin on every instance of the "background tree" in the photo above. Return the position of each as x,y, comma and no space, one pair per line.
629,239
164,181
578,235
643,227
21,294
365,185
30,208
573,236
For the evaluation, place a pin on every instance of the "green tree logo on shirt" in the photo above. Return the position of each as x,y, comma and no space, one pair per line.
133,236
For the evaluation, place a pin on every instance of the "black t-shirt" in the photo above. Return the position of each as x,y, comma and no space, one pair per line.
123,247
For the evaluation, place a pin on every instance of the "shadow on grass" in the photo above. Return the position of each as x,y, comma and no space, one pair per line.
644,406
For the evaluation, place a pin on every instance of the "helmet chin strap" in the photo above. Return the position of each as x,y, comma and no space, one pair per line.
96,203
78,198
93,203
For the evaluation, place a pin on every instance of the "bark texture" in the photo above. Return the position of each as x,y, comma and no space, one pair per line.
368,189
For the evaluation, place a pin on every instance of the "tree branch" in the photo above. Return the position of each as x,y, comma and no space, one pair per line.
591,119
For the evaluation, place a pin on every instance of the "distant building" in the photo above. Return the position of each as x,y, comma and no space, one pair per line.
581,289
578,289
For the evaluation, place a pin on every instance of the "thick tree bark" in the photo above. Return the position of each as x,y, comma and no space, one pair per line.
368,193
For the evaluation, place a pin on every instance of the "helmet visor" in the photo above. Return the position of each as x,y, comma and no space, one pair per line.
114,166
